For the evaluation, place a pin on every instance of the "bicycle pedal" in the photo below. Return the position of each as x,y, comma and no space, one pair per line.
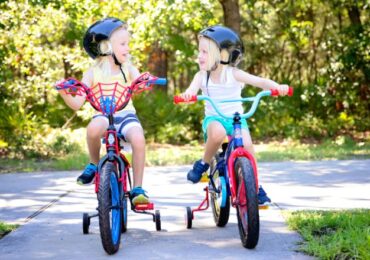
263,206
204,177
146,206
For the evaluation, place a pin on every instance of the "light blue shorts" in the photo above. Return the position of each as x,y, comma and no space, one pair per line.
226,123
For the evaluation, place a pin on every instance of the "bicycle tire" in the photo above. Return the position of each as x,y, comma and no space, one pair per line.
109,206
85,223
247,206
220,212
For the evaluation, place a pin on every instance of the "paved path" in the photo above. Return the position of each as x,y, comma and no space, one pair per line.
50,205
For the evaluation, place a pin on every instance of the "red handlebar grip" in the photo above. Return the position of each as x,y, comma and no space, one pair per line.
178,99
275,92
290,91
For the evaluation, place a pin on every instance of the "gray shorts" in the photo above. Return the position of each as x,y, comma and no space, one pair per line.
123,122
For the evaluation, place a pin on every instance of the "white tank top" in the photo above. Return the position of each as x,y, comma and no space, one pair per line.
230,89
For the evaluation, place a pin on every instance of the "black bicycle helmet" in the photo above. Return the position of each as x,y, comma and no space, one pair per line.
225,38
99,31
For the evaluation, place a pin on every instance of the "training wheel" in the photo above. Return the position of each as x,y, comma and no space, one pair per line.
188,218
158,220
85,223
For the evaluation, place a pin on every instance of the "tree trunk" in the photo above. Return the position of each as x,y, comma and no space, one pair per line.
231,14
355,18
157,64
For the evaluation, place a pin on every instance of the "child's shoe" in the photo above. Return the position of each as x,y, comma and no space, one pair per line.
138,196
262,197
87,175
199,168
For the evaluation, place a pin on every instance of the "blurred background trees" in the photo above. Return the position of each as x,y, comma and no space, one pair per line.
322,48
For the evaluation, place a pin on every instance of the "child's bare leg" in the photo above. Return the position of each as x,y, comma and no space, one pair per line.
215,136
247,142
135,136
263,199
94,132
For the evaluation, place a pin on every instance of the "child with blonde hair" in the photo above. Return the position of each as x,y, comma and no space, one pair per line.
107,42
220,51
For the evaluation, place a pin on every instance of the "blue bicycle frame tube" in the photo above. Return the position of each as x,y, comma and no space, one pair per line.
251,111
238,134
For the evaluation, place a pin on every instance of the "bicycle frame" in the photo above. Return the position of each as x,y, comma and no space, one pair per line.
113,148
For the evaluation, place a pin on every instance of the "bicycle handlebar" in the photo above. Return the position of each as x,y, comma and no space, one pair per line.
108,98
159,81
275,92
252,110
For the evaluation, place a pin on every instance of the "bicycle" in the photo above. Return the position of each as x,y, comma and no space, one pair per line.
113,176
232,177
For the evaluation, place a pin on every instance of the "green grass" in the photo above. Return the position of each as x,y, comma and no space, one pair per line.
178,155
6,228
333,234
293,150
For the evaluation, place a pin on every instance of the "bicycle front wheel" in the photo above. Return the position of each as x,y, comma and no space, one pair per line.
247,203
109,207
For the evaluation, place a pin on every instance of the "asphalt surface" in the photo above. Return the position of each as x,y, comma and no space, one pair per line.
49,207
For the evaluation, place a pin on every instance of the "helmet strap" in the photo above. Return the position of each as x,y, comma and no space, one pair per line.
116,60
214,67
120,66
208,75
225,62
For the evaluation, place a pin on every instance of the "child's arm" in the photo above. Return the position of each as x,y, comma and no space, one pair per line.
76,102
263,83
193,88
134,72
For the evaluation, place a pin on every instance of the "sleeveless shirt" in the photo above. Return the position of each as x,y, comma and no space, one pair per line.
230,89
100,78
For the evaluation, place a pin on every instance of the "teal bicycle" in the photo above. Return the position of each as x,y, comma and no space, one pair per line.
233,178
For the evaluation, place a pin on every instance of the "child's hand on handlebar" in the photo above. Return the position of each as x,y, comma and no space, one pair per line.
282,89
57,87
186,96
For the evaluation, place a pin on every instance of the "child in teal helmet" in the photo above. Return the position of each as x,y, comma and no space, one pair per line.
107,42
220,50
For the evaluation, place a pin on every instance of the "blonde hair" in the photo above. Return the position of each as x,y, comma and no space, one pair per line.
215,56
105,48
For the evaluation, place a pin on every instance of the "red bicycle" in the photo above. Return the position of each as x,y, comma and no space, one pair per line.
113,177
233,178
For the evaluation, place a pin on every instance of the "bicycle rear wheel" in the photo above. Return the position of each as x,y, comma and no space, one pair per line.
220,202
247,203
109,207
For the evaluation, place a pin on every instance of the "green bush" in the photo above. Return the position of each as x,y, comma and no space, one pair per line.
165,122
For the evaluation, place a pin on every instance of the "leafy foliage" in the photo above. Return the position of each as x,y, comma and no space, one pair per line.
319,47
